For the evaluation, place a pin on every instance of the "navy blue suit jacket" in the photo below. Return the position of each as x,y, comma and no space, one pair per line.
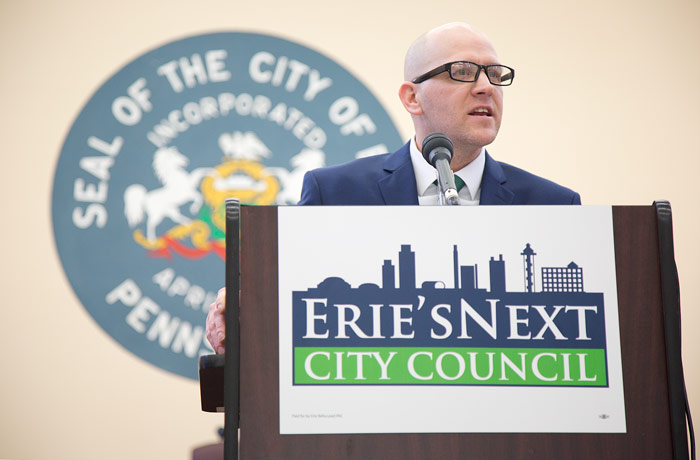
389,180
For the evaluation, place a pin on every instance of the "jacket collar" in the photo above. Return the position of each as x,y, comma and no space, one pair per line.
398,185
493,184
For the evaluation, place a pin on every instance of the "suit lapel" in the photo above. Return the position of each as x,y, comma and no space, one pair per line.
398,184
493,188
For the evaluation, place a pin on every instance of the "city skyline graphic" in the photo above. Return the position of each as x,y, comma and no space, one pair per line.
556,302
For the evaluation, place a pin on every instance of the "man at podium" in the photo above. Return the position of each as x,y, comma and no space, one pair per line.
454,84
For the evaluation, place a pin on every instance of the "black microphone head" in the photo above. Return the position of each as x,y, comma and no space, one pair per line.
437,141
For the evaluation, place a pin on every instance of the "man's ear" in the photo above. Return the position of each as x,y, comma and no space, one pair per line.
408,95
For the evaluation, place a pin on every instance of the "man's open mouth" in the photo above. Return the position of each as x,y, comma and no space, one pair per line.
481,112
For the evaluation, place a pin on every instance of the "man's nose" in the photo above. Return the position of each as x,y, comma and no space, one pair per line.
482,85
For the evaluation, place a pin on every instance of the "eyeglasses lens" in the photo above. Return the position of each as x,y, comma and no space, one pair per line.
464,71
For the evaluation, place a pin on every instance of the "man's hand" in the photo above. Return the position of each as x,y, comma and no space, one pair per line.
216,322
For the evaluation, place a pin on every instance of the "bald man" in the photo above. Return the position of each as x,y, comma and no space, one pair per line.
454,85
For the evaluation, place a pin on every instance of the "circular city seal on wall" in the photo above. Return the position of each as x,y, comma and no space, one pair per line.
141,181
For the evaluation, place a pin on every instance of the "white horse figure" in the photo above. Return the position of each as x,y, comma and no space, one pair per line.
292,181
179,187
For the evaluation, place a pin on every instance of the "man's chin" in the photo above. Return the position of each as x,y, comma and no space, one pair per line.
479,139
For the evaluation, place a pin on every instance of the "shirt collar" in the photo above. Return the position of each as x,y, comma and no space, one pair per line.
471,174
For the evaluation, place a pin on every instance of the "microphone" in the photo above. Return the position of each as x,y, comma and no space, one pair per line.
437,150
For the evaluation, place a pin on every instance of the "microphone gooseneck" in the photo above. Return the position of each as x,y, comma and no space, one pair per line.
437,150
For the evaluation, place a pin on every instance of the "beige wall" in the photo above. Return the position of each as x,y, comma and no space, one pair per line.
606,102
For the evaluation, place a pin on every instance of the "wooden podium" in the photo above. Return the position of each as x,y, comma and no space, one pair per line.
649,315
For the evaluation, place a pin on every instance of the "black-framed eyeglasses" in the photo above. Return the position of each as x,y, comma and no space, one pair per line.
499,75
